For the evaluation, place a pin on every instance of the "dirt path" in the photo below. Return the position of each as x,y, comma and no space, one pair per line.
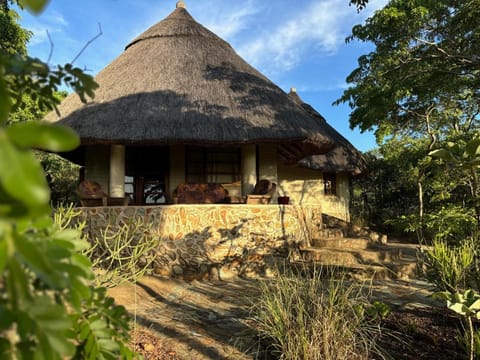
208,320
199,320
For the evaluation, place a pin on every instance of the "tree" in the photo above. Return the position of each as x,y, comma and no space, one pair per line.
422,80
14,37
423,71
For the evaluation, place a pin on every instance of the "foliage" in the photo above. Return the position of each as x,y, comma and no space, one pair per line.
360,4
62,177
102,329
124,253
466,304
419,91
450,268
465,157
43,277
423,70
305,317
388,197
451,223
389,190
119,252
14,37
464,338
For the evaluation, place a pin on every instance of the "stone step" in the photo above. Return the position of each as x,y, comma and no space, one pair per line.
364,259
329,233
403,269
349,257
342,243
357,272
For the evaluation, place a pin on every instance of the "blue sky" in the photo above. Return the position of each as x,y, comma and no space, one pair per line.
297,44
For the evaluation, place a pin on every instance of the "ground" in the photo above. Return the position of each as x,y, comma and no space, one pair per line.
426,334
205,320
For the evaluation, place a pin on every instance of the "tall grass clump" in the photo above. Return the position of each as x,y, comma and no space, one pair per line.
318,316
450,267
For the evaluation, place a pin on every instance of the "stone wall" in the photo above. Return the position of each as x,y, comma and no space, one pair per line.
219,241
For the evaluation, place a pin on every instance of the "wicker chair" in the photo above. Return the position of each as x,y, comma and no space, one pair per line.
262,193
90,193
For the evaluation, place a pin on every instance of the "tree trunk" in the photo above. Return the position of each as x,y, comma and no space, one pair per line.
420,212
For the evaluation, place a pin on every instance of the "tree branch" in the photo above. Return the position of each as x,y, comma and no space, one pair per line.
51,47
100,33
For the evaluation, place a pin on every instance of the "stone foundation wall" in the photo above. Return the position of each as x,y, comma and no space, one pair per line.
215,241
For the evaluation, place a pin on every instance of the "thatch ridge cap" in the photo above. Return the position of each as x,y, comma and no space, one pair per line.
177,16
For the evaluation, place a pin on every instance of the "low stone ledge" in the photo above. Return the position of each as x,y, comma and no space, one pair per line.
214,241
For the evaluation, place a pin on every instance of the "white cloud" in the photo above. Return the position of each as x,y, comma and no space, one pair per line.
56,18
52,22
324,87
320,27
228,23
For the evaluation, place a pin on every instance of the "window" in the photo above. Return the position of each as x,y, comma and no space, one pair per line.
329,184
212,165
130,188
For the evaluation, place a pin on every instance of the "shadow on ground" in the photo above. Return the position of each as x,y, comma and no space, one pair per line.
199,319
210,319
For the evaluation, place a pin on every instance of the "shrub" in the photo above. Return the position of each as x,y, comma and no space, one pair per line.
449,268
467,304
315,317
121,252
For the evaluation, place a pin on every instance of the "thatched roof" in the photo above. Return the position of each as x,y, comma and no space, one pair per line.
179,83
344,157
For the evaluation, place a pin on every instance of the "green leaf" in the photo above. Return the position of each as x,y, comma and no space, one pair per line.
35,6
37,261
43,136
443,154
5,104
52,325
79,292
443,295
459,308
475,306
21,175
3,253
473,147
17,284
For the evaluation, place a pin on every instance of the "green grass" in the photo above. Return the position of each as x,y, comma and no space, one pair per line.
319,316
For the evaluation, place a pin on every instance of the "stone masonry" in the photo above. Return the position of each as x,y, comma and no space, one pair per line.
215,241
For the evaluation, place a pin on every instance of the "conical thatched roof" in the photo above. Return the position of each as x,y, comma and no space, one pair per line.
179,83
344,157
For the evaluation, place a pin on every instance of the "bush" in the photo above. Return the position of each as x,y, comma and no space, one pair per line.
316,317
120,252
449,268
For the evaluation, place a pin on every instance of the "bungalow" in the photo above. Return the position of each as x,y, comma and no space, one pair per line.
179,106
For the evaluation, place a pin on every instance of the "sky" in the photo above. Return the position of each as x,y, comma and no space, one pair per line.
298,44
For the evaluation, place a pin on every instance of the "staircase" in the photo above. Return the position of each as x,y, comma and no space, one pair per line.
363,256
